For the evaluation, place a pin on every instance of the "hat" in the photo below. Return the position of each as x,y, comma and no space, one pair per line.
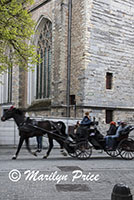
112,122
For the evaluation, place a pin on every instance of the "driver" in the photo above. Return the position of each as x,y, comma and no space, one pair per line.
86,119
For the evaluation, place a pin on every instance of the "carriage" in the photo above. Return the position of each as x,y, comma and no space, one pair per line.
81,144
78,146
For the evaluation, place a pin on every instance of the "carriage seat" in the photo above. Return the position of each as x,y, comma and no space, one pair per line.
82,133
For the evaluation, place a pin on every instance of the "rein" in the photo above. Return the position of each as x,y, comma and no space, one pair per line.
48,132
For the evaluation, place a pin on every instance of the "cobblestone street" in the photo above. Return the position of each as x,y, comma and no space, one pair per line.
73,186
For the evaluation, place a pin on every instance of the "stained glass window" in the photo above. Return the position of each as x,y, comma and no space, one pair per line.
43,68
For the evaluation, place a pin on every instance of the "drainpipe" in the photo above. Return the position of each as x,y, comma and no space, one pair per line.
69,56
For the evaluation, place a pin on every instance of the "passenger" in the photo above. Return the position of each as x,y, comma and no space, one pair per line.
73,132
112,128
76,126
111,140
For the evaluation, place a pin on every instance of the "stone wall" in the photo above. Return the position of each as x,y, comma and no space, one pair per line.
110,48
59,68
78,50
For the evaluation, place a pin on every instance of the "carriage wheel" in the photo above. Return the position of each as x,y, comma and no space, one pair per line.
70,147
126,148
113,153
83,150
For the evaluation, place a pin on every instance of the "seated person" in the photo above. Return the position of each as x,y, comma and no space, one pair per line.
86,130
76,126
73,130
111,140
112,129
86,119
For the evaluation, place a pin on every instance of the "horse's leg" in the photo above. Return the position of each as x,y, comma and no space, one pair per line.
28,147
50,147
19,147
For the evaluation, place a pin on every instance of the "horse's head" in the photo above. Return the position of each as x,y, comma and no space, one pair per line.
11,113
8,114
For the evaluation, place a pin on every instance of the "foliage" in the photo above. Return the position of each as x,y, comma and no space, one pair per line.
16,30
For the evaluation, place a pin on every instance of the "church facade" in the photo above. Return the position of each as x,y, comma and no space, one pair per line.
94,71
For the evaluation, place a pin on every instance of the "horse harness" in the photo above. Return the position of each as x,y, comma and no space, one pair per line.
31,125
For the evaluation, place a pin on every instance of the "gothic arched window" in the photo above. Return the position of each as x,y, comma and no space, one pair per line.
43,68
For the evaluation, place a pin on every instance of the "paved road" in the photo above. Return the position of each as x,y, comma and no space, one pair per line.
61,177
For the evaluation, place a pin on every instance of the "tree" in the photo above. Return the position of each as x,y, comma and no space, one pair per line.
16,29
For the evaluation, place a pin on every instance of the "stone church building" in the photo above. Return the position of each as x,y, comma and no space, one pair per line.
87,53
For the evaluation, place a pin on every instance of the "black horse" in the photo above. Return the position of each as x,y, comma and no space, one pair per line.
31,128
